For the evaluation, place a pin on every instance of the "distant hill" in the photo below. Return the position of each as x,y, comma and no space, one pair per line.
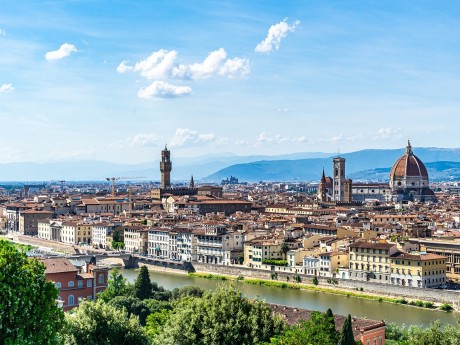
288,167
84,170
364,165
437,171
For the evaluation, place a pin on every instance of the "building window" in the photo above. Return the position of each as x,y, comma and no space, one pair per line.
71,300
71,284
80,283
58,285
101,279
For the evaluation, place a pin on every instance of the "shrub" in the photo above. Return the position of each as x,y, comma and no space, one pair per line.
428,304
401,301
361,289
240,278
275,262
445,307
315,281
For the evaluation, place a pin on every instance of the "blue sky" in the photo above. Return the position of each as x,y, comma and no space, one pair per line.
116,80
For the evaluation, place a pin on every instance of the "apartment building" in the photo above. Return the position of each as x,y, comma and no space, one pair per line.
136,239
418,269
370,261
259,249
100,233
158,242
75,283
28,221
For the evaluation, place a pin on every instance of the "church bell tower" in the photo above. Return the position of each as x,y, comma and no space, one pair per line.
165,168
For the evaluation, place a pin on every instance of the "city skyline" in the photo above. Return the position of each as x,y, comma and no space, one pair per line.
116,81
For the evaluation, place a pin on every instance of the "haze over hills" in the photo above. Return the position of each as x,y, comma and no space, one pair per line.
183,168
364,164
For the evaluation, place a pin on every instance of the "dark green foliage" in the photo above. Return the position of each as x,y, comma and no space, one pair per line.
445,307
29,313
318,329
220,317
143,285
284,248
103,324
187,291
275,262
133,306
346,336
315,280
156,306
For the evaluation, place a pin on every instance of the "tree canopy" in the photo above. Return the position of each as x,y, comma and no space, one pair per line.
346,336
29,313
143,285
98,323
220,317
116,286
319,328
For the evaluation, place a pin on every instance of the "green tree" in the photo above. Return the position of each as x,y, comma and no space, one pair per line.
315,281
143,285
29,313
118,238
133,305
116,286
220,317
284,248
318,329
346,336
97,323
156,322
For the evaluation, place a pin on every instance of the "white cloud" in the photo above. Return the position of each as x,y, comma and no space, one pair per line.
216,63
2,32
186,136
64,50
387,133
123,67
158,65
144,139
7,87
161,89
275,34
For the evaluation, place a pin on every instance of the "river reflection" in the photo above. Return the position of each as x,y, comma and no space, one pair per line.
400,314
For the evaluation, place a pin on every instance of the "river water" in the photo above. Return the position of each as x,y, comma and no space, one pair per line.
400,314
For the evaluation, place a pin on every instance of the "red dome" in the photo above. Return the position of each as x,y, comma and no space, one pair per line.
408,165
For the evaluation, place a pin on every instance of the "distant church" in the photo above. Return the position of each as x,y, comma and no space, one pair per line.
408,182
167,190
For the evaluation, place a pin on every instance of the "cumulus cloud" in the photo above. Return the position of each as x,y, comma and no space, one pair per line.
161,89
387,133
123,67
144,139
64,50
158,65
275,34
184,136
216,63
2,32
7,87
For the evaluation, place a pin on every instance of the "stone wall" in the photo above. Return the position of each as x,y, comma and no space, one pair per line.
433,295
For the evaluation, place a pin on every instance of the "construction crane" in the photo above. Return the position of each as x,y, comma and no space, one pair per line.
113,179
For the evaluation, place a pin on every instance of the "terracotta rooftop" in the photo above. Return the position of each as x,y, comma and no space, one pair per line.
58,265
295,315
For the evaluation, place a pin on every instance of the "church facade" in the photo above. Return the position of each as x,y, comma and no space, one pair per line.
408,181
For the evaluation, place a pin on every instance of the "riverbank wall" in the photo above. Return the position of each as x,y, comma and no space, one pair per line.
432,295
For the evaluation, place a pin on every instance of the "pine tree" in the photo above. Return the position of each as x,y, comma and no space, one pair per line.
143,285
346,336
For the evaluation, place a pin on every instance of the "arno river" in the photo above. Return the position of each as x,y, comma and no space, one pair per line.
374,310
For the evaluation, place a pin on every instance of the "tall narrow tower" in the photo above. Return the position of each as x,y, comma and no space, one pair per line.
338,169
165,168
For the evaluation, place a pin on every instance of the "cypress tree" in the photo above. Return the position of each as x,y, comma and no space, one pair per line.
346,336
143,285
